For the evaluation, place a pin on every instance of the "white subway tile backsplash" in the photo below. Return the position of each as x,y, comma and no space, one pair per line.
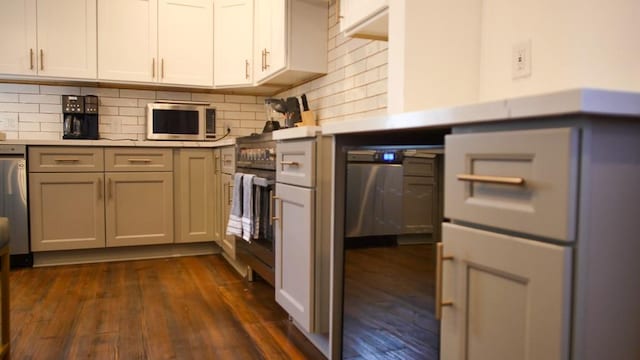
128,120
20,88
138,94
40,99
377,88
51,108
9,121
110,101
105,110
132,111
173,95
29,126
4,97
377,59
40,118
102,92
242,99
59,90
39,135
19,108
51,127
211,98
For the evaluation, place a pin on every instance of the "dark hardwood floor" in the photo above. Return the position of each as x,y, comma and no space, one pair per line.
178,308
388,303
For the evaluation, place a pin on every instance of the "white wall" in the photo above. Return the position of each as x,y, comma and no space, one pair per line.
589,43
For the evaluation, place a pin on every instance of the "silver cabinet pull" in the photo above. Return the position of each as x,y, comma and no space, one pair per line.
153,68
439,259
41,59
507,180
246,69
30,59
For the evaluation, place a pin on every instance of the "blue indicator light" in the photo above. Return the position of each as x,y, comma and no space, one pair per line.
388,156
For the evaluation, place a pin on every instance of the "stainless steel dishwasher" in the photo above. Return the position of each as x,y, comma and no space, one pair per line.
13,202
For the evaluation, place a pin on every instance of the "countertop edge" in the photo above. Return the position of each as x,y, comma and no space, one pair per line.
122,143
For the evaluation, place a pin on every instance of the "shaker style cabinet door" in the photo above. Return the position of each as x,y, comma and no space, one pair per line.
270,37
67,38
139,208
228,242
233,42
18,37
366,19
128,40
510,297
66,211
294,247
185,42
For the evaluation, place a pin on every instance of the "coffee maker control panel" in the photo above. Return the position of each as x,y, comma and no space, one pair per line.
90,104
72,104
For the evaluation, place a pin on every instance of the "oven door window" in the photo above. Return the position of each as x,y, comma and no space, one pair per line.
175,122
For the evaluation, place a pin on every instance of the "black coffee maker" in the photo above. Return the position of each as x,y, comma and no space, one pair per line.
80,117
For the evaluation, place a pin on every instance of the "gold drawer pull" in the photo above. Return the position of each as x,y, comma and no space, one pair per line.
140,160
507,180
439,259
67,160
289,163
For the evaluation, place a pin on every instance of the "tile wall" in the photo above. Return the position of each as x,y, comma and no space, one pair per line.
355,87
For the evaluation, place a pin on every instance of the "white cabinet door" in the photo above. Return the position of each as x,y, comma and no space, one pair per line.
294,253
233,50
18,37
127,40
185,42
511,297
67,38
367,19
270,37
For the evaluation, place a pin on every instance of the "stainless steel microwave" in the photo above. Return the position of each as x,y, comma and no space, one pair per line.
181,121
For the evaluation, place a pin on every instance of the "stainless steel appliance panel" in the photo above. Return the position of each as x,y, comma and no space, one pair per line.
13,201
374,199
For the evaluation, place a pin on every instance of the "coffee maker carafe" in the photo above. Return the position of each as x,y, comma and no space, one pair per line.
80,117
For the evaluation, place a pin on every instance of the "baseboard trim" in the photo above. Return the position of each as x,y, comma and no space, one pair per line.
84,256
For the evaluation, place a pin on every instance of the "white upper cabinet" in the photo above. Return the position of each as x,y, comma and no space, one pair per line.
290,40
51,38
18,37
233,51
185,42
365,19
127,40
168,42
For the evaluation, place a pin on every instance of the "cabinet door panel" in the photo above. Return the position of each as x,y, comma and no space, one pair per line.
139,208
127,40
67,211
511,297
295,163
233,53
228,242
294,253
67,38
185,42
195,190
18,37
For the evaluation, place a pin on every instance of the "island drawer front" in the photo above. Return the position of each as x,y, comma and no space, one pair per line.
65,159
482,171
138,159
228,159
295,162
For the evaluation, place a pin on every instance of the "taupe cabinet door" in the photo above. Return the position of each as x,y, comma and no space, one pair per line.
67,211
195,191
139,208
510,297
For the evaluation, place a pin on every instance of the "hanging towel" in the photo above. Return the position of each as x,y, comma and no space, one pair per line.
256,212
234,227
247,206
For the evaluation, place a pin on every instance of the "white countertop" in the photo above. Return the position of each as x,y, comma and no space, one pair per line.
134,143
296,132
585,101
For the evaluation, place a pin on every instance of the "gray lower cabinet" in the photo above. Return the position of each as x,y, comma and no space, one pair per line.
67,211
226,169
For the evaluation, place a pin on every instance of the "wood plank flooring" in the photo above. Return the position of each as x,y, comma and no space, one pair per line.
179,308
389,303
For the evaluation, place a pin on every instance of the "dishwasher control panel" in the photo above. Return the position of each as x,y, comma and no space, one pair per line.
376,156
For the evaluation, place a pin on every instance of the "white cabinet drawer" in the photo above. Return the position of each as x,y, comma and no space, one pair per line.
138,159
228,159
545,160
65,159
295,162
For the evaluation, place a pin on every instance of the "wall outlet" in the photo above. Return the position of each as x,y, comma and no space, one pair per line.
521,60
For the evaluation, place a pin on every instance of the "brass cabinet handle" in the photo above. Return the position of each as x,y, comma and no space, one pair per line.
30,59
266,59
216,165
99,188
153,68
230,194
271,209
41,59
439,259
263,55
110,189
246,69
140,160
162,68
507,180
289,163
66,160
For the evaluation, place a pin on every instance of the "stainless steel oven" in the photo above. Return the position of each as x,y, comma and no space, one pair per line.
256,155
